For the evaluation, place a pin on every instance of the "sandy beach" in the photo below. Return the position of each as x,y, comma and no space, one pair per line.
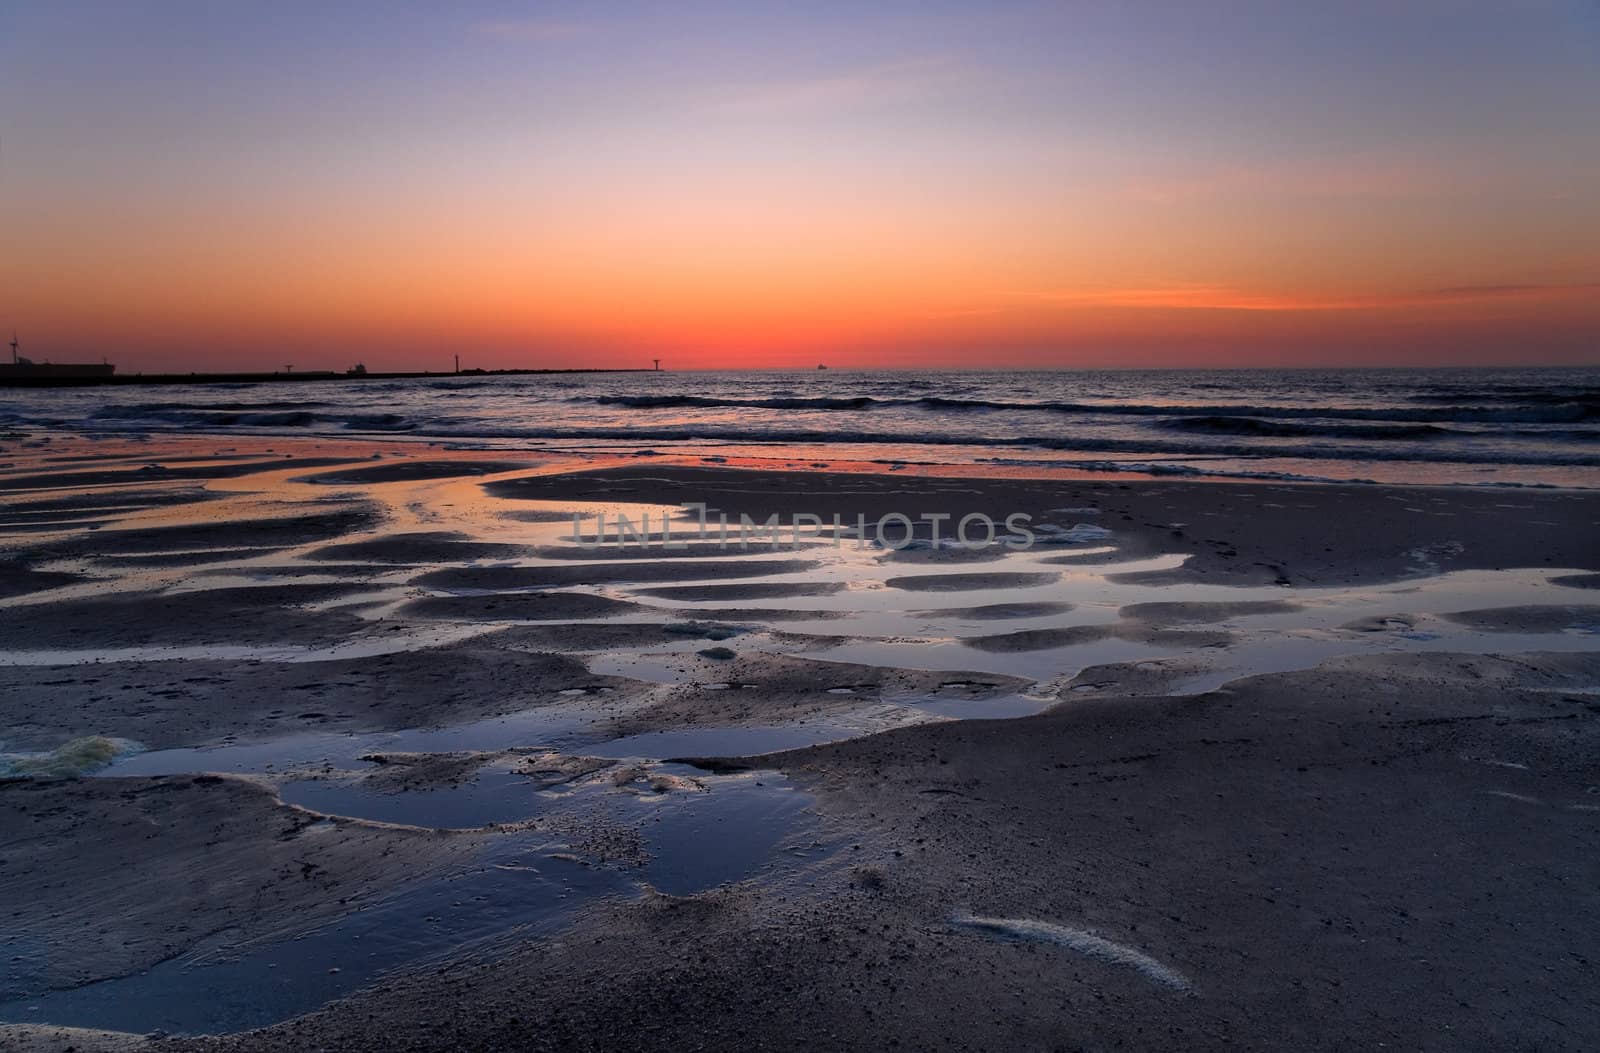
322,743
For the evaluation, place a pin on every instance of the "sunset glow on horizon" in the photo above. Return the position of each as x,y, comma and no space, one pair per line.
198,186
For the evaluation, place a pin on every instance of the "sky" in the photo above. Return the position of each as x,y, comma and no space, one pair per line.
897,184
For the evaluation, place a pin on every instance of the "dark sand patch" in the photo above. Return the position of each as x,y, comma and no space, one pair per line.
20,521
246,615
603,636
801,643
606,573
1151,677
684,550
408,772
535,515
102,502
1040,639
970,582
759,614
19,579
728,490
1000,611
550,768
1073,635
165,704
987,554
519,606
1204,613
1577,581
1159,636
54,526
769,689
76,513
186,559
1530,619
1121,554
638,779
157,472
413,471
429,547
108,876
1261,573
45,1038
346,571
279,532
1382,623
745,591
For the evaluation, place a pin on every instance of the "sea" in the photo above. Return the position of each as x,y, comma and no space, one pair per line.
1502,427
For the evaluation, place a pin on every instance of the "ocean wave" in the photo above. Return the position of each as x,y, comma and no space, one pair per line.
1213,434
1221,425
1561,412
250,415
1196,471
1163,468
200,417
1455,418
705,401
1510,394
124,411
1558,434
378,422
1137,446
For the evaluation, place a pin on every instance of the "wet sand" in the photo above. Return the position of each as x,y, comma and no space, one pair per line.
767,689
235,862
1410,867
198,702
1231,532
1262,779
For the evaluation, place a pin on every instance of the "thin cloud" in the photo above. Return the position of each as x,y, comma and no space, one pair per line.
882,85
966,312
529,30
1399,174
1194,297
1484,292
1204,297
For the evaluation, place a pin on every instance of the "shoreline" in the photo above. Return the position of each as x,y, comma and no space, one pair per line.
574,455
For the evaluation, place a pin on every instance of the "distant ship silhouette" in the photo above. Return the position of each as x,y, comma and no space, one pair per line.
821,366
19,367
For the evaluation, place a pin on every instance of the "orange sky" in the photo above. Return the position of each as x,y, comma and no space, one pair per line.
944,186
